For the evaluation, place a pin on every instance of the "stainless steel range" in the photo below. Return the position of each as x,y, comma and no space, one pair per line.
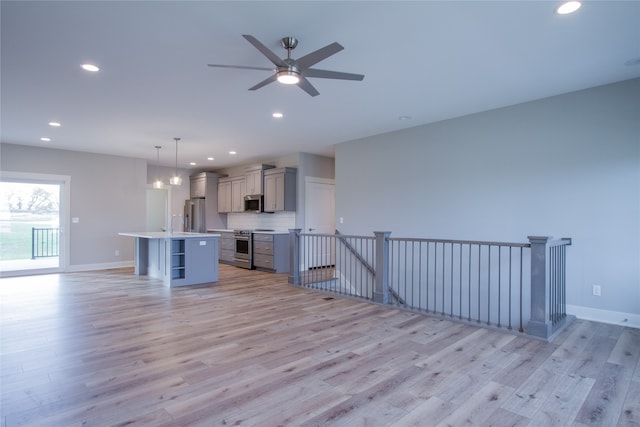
243,255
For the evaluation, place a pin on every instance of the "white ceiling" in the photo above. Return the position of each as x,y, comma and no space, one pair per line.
424,59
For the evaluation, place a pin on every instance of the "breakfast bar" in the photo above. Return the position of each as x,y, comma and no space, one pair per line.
178,259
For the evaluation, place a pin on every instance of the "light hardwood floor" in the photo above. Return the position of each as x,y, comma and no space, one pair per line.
109,348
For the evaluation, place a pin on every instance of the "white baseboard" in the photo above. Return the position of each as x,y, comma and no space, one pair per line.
101,266
605,316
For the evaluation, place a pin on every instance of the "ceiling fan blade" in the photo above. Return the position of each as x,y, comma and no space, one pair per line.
241,67
306,86
318,55
265,82
264,50
325,74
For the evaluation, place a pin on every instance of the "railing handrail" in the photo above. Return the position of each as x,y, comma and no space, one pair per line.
462,242
345,236
560,242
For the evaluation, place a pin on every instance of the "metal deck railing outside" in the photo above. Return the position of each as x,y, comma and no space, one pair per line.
45,242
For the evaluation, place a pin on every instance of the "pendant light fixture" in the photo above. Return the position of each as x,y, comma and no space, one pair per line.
176,179
158,182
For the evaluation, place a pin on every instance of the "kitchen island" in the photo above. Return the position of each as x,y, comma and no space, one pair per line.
178,259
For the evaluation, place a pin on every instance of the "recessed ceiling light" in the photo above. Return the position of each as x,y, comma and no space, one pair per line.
233,153
402,118
54,124
278,115
568,7
45,139
192,163
209,158
90,67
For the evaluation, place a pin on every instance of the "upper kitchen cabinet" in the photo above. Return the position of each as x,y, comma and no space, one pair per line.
224,195
253,176
231,193
238,191
198,187
280,189
203,185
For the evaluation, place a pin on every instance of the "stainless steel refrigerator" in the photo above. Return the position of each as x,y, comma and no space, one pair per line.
194,215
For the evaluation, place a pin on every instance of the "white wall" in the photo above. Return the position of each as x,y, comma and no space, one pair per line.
567,166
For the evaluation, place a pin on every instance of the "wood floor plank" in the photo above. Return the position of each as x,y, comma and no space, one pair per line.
630,415
603,405
561,406
110,348
433,409
478,408
535,391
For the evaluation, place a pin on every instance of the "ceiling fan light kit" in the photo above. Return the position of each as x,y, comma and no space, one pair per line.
295,71
288,77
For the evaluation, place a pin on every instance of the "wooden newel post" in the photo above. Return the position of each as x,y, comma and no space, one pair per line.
381,290
294,256
540,324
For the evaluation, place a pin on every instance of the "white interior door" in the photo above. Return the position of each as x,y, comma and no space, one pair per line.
319,219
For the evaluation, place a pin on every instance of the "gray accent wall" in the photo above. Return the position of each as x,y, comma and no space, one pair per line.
107,196
566,166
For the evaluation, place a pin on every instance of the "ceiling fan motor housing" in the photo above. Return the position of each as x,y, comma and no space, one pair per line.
289,42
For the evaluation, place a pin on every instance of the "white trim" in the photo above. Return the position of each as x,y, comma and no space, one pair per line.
101,266
319,180
33,272
605,316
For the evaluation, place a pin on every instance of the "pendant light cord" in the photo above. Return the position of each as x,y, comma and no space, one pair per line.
176,139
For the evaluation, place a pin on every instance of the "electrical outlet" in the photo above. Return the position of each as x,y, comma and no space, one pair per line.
596,290
117,252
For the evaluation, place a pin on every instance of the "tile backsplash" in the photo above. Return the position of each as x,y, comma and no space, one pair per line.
280,221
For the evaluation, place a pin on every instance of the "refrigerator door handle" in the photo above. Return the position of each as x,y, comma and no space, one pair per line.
191,217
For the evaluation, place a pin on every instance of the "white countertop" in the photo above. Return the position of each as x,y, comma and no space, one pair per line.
167,235
222,230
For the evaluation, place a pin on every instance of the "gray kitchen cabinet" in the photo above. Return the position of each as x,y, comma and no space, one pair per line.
224,195
177,261
203,185
271,252
238,191
231,193
227,246
253,178
198,186
280,190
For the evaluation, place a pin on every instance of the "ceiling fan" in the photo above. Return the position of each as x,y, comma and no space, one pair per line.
295,71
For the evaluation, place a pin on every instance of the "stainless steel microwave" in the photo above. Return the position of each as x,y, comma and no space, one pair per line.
254,203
